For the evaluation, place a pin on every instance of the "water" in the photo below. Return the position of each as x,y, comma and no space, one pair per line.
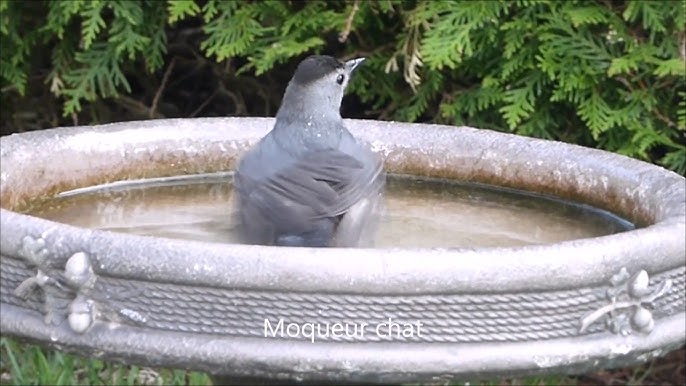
418,213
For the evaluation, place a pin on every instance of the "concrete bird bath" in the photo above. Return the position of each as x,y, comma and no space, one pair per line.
462,313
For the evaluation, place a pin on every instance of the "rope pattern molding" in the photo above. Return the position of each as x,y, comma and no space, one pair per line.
447,318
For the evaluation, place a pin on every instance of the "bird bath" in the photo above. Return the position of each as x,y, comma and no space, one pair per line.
550,299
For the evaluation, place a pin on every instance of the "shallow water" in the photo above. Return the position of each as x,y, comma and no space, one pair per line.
418,213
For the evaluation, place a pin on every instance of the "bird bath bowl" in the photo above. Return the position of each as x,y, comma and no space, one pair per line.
277,313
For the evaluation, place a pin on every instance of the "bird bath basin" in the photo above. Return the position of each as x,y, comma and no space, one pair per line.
419,213
104,279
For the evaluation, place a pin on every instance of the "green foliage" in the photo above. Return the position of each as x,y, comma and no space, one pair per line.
266,33
86,61
23,364
598,73
591,72
16,43
180,9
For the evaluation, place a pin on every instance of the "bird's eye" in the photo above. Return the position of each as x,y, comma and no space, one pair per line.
340,79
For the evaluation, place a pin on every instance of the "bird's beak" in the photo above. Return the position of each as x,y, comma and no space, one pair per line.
351,64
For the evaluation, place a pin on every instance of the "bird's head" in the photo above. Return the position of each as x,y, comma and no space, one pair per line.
319,83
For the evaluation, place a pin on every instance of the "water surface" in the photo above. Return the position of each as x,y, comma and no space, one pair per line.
418,213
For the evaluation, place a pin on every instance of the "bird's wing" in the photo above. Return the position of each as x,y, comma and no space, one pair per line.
321,183
328,181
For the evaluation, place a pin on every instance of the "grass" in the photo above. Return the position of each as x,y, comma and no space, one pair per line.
27,364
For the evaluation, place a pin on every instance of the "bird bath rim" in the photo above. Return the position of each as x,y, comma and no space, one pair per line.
576,261
560,284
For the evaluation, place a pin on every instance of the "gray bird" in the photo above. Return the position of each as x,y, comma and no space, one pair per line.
308,182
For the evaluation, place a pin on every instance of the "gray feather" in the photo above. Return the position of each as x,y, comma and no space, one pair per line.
309,182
